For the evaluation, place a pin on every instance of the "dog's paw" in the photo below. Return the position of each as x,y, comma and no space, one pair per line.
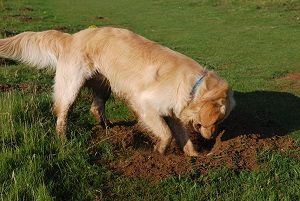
191,153
159,148
106,124
189,149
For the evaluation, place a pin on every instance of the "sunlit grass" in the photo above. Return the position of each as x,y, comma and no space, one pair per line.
34,163
250,43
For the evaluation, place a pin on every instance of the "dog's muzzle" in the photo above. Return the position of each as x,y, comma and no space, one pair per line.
206,132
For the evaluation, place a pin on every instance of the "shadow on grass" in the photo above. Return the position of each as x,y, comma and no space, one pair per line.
267,113
7,62
128,123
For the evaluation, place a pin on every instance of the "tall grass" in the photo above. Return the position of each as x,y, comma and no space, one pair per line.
34,164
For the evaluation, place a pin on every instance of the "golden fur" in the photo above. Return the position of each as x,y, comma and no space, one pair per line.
155,81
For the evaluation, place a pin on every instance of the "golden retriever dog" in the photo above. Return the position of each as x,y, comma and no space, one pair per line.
167,90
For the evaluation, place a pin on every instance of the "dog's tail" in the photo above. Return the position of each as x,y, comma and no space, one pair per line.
41,49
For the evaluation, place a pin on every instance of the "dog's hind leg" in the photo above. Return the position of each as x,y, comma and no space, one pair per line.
68,81
98,111
101,92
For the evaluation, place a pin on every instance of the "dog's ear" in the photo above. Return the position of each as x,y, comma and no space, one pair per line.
189,113
210,81
210,113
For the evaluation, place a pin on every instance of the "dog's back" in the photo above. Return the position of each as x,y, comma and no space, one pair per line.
131,62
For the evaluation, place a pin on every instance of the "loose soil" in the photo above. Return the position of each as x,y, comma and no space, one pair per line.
133,154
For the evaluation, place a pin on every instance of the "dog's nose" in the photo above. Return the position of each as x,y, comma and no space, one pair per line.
208,132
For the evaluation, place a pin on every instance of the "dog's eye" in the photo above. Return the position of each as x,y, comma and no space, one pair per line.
197,126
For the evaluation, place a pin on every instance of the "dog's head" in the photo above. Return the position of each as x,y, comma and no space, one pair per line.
210,104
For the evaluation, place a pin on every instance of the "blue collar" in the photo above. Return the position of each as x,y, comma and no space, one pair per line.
198,83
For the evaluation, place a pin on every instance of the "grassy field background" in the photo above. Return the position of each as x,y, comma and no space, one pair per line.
252,44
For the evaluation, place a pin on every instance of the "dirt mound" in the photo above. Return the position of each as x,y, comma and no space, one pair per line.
134,156
260,122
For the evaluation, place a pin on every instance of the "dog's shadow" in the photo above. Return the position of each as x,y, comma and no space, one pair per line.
128,123
266,113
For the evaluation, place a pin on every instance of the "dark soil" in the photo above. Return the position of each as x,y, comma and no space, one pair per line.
26,87
61,28
22,18
26,9
134,156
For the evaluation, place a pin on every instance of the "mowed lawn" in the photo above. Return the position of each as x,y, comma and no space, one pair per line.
255,45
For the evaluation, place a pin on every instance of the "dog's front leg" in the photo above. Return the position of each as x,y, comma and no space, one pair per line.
155,123
181,136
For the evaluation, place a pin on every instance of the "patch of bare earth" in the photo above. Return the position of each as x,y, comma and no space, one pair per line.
290,76
22,87
292,81
22,18
134,156
61,28
26,9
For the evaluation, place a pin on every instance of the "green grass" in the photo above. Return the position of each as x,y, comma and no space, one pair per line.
250,43
34,164
15,74
269,184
